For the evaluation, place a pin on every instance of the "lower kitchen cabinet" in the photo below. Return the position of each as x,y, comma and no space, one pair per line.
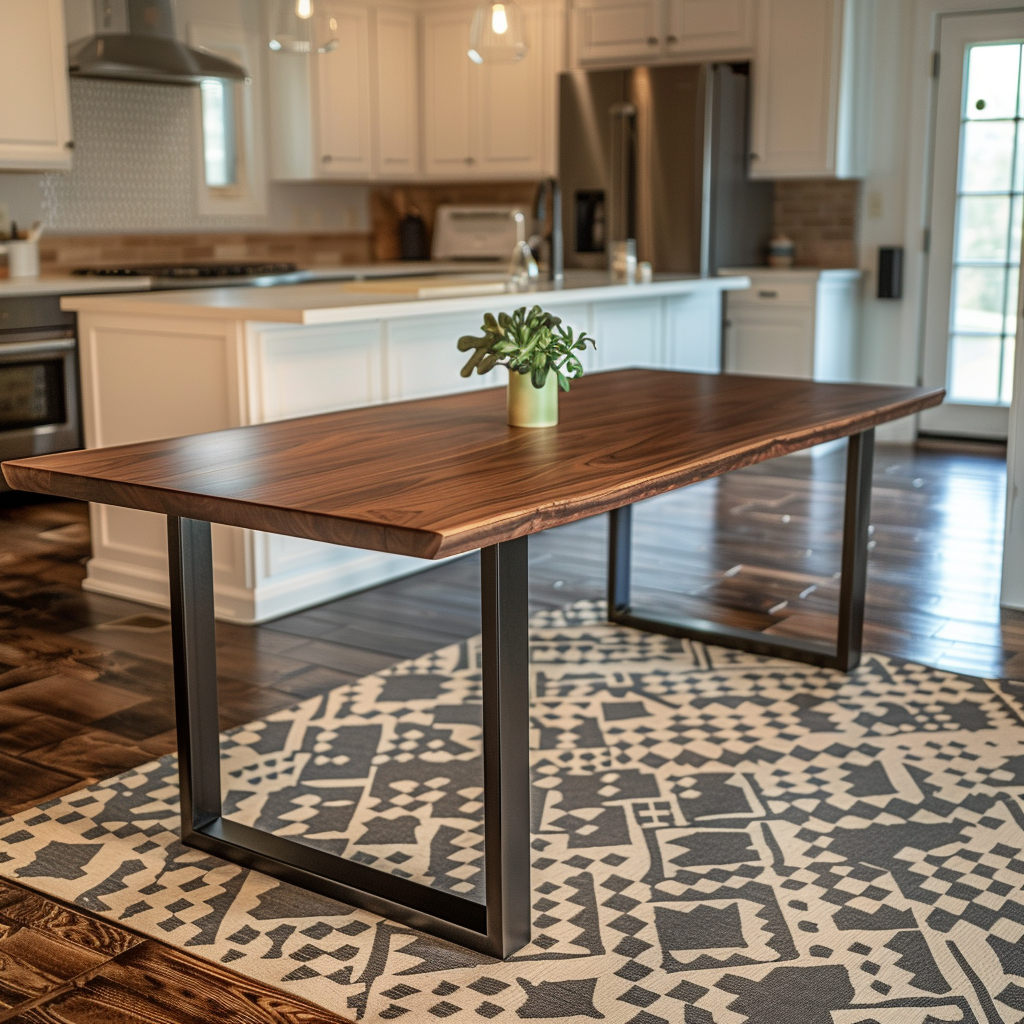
794,323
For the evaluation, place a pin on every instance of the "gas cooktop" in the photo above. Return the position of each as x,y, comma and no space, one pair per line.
192,272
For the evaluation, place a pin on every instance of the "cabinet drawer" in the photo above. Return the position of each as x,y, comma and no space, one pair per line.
773,293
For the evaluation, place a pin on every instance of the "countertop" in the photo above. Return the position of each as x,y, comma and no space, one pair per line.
327,302
794,273
11,287
68,284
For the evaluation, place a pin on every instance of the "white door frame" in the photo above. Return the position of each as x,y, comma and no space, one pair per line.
1012,592
954,32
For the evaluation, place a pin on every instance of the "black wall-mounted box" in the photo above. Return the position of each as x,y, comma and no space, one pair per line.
890,272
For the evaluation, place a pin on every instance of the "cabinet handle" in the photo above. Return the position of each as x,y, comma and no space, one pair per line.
652,40
69,144
326,158
754,156
671,39
765,294
470,160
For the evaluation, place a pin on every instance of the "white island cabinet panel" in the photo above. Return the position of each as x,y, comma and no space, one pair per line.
305,370
628,334
143,380
423,357
693,332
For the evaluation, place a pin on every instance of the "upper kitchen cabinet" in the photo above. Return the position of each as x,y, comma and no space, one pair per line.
491,120
649,31
811,76
342,96
353,112
396,106
35,120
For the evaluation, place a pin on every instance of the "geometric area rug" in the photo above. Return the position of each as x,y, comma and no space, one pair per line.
718,838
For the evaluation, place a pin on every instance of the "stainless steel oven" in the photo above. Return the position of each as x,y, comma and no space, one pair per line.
39,410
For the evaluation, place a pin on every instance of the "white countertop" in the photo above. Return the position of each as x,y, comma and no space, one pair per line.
69,285
328,302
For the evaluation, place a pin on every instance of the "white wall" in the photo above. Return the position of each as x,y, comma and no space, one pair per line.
135,162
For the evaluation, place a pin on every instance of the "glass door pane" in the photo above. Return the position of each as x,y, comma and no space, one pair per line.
986,253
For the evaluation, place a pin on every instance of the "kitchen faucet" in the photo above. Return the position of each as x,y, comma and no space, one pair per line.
556,261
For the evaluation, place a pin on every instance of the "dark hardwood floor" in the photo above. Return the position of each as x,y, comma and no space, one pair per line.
85,680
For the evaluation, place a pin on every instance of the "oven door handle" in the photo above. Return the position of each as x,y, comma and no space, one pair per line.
36,348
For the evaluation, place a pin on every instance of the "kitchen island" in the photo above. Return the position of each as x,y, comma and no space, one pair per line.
167,364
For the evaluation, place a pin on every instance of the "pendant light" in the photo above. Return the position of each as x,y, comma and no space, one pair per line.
295,29
498,34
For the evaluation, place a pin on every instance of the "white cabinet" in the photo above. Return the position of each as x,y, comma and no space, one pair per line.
343,92
811,82
396,108
489,120
626,31
707,26
616,30
354,112
794,323
628,333
35,119
448,137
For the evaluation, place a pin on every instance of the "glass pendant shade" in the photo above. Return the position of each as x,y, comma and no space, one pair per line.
498,34
296,29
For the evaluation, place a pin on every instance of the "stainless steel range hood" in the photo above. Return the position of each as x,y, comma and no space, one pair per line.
135,42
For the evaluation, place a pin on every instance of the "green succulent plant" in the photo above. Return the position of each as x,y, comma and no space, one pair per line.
533,342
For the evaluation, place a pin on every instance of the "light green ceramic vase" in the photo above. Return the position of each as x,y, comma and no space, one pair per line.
529,406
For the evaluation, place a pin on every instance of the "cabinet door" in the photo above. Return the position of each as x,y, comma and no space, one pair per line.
771,343
35,124
510,115
343,96
693,332
628,333
796,88
396,124
703,26
450,80
616,30
423,358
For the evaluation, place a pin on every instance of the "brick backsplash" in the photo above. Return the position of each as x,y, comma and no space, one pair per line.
820,216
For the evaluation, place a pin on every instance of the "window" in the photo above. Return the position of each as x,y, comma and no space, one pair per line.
986,254
230,174
220,133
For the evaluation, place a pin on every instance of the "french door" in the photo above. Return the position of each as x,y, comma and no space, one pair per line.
977,204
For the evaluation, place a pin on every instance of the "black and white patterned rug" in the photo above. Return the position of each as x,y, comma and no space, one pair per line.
718,838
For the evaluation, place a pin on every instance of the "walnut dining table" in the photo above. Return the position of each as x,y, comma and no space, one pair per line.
439,477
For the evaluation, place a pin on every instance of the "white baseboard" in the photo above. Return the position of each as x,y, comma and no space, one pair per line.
266,601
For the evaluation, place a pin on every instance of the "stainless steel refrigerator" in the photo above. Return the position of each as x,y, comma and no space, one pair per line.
660,154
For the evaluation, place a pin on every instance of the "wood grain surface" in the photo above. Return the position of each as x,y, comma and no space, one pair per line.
59,965
440,476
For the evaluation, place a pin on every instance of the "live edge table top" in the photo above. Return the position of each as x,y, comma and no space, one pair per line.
441,476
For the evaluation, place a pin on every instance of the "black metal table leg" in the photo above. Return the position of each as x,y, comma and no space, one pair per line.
501,925
845,655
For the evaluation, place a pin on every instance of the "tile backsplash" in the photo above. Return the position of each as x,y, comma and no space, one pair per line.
135,169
